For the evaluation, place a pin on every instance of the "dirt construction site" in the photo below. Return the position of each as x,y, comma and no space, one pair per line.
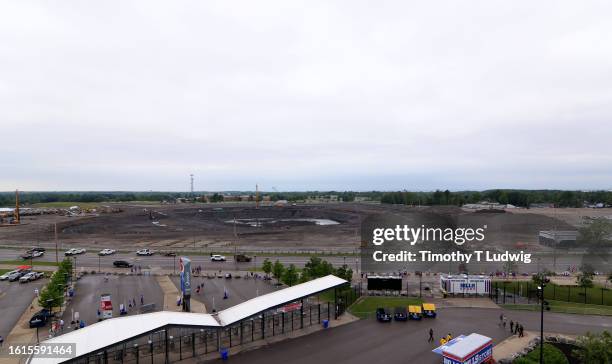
333,227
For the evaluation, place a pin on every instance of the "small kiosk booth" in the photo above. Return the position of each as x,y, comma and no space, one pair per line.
470,349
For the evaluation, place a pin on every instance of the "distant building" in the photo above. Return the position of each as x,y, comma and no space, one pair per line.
485,205
558,238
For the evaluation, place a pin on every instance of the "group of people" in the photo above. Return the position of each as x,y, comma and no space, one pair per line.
136,269
443,339
197,270
515,327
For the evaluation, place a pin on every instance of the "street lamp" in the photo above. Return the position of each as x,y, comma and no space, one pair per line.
543,281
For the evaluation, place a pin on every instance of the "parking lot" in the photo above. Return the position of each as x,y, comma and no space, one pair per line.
122,288
15,298
238,290
368,341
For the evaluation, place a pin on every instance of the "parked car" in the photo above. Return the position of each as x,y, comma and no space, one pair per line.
107,252
36,249
15,276
145,252
32,276
217,258
75,251
383,315
400,314
242,258
122,264
40,318
6,275
70,252
31,255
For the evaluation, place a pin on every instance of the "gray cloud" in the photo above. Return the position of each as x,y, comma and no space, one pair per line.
305,95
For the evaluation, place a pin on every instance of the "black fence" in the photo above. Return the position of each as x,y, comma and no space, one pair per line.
525,292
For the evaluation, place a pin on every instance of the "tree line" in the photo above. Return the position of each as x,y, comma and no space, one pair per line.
314,268
522,198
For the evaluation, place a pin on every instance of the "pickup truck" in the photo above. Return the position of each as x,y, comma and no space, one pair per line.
144,252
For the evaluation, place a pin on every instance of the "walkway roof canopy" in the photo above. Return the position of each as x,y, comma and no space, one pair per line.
109,332
275,299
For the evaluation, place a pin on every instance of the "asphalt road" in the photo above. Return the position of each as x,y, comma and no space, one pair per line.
239,290
15,298
92,259
368,341
122,288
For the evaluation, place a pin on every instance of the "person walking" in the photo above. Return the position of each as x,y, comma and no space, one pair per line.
512,326
442,341
141,299
505,321
1,341
431,337
520,330
501,319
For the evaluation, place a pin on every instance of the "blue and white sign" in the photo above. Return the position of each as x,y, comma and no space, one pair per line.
476,358
185,269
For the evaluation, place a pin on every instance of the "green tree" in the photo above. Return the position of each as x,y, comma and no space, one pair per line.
290,276
277,270
345,273
584,280
594,348
595,236
317,267
267,266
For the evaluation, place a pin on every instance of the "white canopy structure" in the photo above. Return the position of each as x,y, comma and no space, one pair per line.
275,299
107,333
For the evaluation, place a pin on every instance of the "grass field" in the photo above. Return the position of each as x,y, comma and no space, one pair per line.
67,204
2,271
595,295
27,262
366,306
566,307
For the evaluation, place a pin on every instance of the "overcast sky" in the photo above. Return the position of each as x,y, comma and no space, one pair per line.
124,95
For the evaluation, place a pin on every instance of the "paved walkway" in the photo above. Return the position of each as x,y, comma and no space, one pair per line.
171,293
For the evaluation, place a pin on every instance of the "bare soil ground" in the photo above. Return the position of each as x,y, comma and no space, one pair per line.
187,226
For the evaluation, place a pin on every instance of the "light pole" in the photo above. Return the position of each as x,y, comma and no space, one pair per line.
543,281
99,257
